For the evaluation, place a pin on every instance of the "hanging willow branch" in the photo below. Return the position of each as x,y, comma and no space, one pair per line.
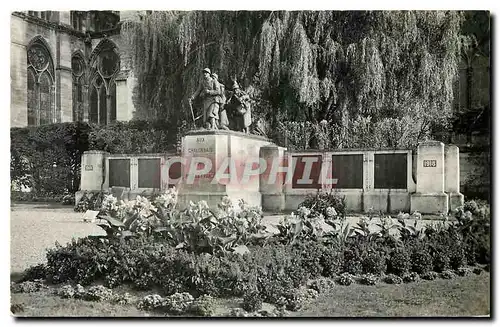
307,65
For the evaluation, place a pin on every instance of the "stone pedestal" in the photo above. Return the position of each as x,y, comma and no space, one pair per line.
273,197
430,197
219,163
92,172
452,177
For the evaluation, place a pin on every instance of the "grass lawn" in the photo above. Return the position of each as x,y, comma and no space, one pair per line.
462,296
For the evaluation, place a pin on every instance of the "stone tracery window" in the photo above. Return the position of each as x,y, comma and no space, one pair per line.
40,85
78,69
105,64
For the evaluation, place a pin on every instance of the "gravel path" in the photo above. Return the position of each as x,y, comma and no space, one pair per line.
36,227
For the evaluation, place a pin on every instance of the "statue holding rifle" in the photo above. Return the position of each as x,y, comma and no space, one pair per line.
210,93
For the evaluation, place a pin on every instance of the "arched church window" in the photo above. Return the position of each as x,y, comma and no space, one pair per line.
32,102
45,99
94,105
40,84
104,66
103,105
78,68
112,93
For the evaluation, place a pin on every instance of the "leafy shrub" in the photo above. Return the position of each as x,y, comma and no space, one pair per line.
177,303
463,271
399,262
79,292
68,199
321,285
352,261
471,206
98,293
90,201
457,257
440,260
203,306
37,196
477,270
430,275
252,301
474,227
448,274
393,279
345,279
311,254
369,279
323,202
47,158
297,298
421,259
374,262
27,287
143,282
35,272
411,277
332,260
150,302
66,292
113,279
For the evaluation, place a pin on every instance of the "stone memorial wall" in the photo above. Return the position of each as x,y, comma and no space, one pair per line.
214,164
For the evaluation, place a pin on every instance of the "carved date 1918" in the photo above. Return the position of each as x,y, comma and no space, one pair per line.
430,163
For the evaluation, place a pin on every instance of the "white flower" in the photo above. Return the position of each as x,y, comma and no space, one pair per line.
417,215
303,211
331,212
203,204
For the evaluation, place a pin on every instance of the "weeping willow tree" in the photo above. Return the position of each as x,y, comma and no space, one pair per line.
343,67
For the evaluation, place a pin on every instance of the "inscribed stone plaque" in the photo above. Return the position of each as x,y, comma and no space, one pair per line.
149,173
119,172
348,170
391,171
430,163
314,175
198,150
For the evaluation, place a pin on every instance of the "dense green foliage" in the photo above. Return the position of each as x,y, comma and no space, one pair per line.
47,158
390,69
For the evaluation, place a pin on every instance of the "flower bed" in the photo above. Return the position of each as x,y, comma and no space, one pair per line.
225,253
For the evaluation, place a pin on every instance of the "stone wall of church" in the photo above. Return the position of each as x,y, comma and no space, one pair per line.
61,44
60,48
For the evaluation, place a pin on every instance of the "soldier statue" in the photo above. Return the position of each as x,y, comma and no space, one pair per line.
223,120
240,100
210,94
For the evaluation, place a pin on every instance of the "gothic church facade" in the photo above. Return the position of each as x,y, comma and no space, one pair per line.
69,66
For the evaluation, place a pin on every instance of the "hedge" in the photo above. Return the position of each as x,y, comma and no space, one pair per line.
47,158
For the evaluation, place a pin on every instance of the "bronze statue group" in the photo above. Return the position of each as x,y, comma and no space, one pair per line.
215,104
